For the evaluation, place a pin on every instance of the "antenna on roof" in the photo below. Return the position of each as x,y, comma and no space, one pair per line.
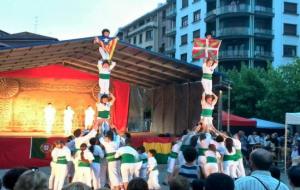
36,20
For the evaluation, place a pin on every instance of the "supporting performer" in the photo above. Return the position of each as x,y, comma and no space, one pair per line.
103,108
105,68
208,68
208,103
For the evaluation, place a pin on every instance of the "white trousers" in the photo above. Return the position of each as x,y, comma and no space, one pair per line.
153,180
128,172
104,54
114,173
60,176
210,168
68,127
96,175
104,86
207,86
240,168
230,168
52,175
84,175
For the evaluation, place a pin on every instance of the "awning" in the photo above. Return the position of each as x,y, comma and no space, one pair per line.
237,121
264,124
134,65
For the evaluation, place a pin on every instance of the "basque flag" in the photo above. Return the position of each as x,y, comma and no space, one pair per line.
204,48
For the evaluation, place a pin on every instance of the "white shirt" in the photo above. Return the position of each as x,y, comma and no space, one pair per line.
250,183
103,107
85,139
176,147
209,70
127,150
110,147
87,155
105,70
152,163
59,152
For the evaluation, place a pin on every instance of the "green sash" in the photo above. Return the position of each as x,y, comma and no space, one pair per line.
173,155
238,154
207,76
207,112
110,157
96,159
62,160
104,76
128,158
103,114
201,151
211,159
155,168
229,158
144,160
83,164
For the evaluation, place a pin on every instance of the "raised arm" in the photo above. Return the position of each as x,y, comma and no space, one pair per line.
113,64
113,99
203,99
215,99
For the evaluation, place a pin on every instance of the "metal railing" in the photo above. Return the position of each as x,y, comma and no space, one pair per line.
263,31
263,54
234,31
234,9
263,9
234,54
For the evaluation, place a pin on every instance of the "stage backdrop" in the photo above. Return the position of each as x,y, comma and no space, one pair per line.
25,93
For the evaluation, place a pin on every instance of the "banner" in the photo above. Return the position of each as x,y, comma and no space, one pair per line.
204,48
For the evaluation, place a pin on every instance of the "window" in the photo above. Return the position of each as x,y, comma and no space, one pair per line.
195,1
184,21
197,15
134,40
196,34
149,48
149,35
141,38
163,31
184,39
290,29
183,57
290,8
289,51
164,15
185,3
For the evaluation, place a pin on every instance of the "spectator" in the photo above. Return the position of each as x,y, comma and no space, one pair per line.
179,183
294,177
76,186
11,177
296,154
198,184
32,180
137,184
253,140
275,172
219,181
260,179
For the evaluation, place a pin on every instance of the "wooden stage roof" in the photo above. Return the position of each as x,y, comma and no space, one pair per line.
134,65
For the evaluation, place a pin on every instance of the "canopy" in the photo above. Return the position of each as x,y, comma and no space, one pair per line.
264,124
237,121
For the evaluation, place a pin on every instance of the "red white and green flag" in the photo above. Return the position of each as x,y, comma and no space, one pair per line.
204,48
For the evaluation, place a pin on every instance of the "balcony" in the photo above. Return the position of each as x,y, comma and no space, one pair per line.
170,49
261,32
234,32
150,24
211,15
234,54
171,32
263,55
171,13
264,11
235,9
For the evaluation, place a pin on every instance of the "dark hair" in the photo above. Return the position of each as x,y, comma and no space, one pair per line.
179,183
220,138
198,184
294,175
104,96
70,138
93,142
83,145
77,132
11,177
153,152
127,135
275,172
212,147
184,132
261,159
229,144
109,135
207,34
202,136
194,140
141,149
190,154
105,61
105,30
137,184
219,181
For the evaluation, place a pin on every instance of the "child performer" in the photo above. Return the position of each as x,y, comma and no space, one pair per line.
103,41
229,160
208,103
203,143
98,155
113,164
153,172
103,107
105,68
129,162
61,155
239,158
83,160
144,158
173,158
211,165
208,68
89,114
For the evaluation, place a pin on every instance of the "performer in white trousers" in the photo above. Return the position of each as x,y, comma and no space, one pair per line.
112,163
105,68
68,120
89,115
152,171
208,103
49,114
203,144
208,68
239,158
61,155
103,41
95,165
144,158
172,160
211,165
83,160
129,163
229,159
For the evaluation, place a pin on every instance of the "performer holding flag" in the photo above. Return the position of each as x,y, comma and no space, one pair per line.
106,44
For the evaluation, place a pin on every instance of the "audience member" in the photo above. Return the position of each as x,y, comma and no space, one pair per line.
198,184
179,183
294,177
32,180
11,176
137,184
219,181
275,172
76,186
260,179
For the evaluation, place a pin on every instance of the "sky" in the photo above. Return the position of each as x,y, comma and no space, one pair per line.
69,19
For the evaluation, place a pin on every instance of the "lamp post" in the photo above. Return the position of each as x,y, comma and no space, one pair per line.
228,108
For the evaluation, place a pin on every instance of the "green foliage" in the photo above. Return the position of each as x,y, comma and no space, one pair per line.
265,93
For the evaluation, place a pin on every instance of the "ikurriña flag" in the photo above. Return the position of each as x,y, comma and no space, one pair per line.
206,48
